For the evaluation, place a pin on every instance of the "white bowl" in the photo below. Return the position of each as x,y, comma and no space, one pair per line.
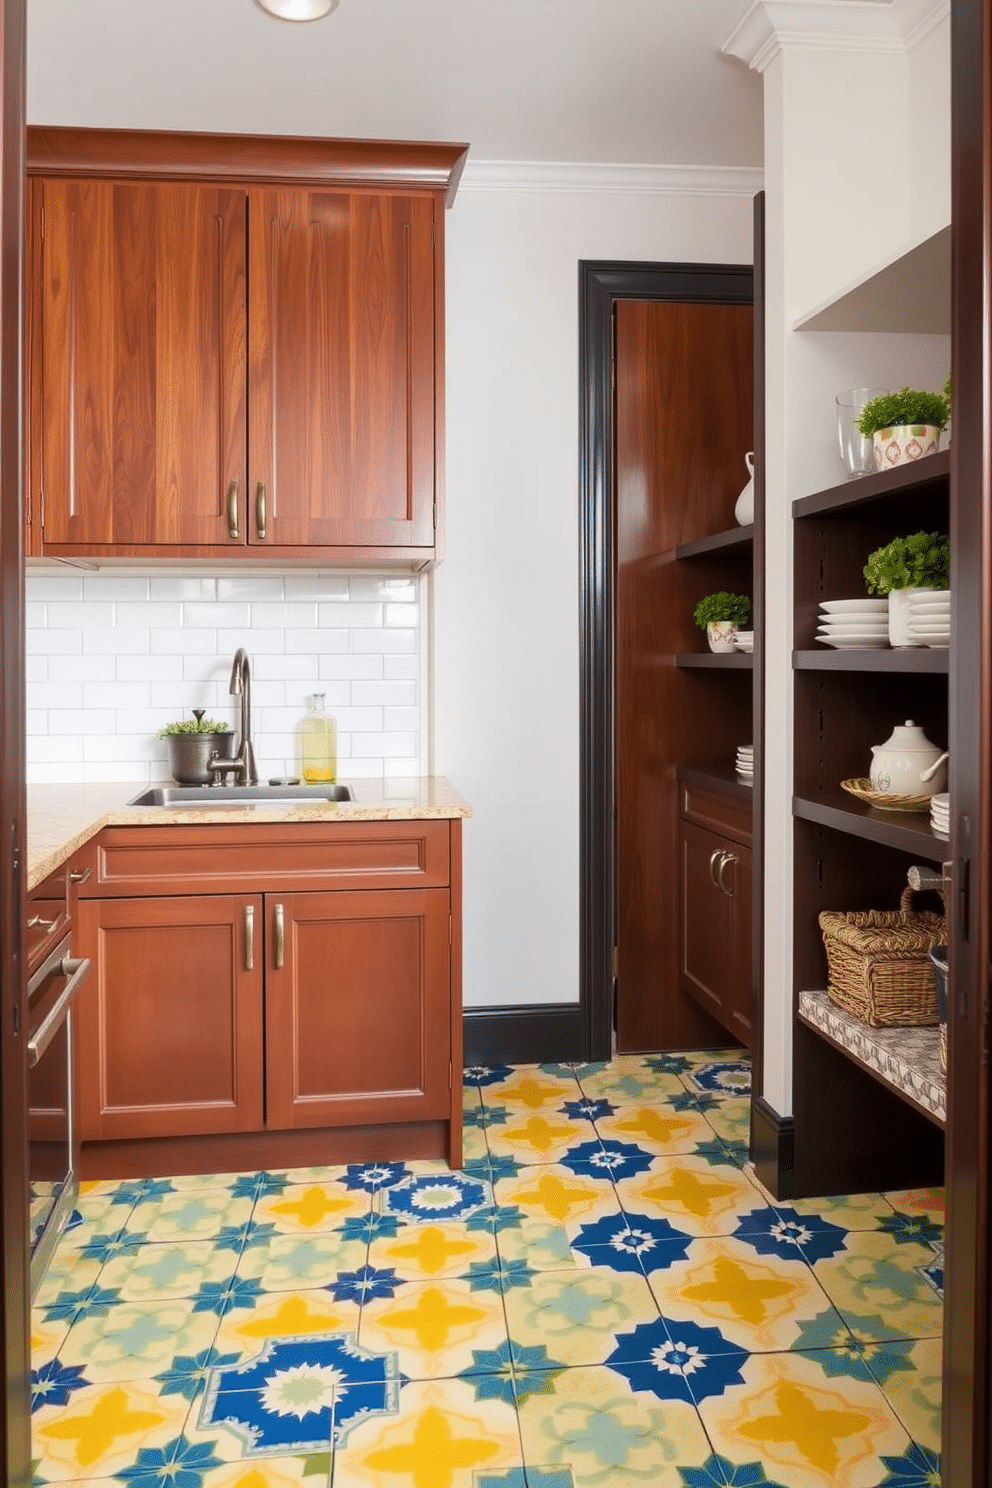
857,606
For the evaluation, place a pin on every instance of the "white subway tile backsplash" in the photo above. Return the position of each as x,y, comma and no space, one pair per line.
112,657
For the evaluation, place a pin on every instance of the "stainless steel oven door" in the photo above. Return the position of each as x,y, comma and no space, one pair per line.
53,1146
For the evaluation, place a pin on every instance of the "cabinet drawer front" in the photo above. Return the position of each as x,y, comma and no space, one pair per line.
284,858
717,812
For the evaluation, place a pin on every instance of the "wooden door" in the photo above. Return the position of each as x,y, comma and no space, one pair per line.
682,423
357,1007
140,391
170,1033
716,926
341,396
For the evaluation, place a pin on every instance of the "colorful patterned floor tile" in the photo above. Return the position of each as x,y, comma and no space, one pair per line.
929,1201
876,1286
538,1136
166,1270
190,1214
589,1422
728,1077
282,1263
655,1129
310,1208
698,1197
430,1251
135,1340
729,1119
310,1471
530,1088
868,1211
805,1426
627,1081
289,1314
909,1373
100,1429
434,1326
576,1314
556,1195
441,1437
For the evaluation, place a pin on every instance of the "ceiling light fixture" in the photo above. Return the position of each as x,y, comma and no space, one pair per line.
299,10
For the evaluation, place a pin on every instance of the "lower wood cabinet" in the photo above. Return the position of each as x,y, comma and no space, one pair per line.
286,1010
715,908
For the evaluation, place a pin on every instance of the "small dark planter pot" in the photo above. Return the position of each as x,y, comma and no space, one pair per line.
190,755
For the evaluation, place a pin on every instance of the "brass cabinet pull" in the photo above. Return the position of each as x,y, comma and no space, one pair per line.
249,937
713,858
232,510
280,920
725,858
37,923
260,509
77,875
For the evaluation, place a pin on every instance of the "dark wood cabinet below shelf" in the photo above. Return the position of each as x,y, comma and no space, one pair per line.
715,906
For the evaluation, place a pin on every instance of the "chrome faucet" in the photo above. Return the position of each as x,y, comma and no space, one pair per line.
242,766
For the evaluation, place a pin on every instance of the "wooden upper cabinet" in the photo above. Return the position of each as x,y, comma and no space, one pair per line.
235,347
143,361
342,385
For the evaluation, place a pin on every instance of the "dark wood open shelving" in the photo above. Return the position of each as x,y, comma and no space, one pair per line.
722,780
883,497
924,659
907,831
736,540
735,661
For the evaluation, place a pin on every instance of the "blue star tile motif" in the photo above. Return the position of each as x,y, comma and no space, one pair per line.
93,1302
258,1185
719,1472
221,1296
128,1194
373,1176
363,1285
887,1358
677,1361
151,1189
188,1373
587,1109
668,1064
179,1464
247,1236
607,1159
503,1167
476,1117
912,1229
370,1227
53,1383
632,1242
105,1247
498,1275
916,1468
438,1196
535,1477
301,1394
792,1236
724,1076
933,1272
486,1074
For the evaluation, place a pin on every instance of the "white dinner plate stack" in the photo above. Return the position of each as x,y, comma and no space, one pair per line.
940,814
854,624
744,640
744,764
928,617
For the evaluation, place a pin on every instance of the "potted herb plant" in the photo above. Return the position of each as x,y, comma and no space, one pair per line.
906,567
192,743
721,615
905,425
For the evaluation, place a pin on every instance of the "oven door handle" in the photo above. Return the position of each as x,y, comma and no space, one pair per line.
77,969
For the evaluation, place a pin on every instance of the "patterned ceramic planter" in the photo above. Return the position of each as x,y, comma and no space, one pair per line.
720,634
904,442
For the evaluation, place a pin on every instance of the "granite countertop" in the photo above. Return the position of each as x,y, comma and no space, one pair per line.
61,818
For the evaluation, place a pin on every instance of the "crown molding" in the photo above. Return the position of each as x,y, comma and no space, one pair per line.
578,177
892,26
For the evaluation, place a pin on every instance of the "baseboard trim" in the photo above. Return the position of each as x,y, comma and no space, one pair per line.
545,1033
772,1148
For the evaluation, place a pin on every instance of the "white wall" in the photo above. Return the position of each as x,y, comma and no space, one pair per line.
506,614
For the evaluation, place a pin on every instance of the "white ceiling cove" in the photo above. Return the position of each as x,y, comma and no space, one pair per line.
597,81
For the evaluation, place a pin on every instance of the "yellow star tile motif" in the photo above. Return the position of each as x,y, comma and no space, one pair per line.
813,1428
741,1291
538,1133
432,1249
433,1319
534,1093
293,1316
689,1191
434,1453
651,1123
556,1197
312,1207
97,1430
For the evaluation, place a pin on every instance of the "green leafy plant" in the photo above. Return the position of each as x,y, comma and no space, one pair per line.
907,406
194,726
722,606
919,561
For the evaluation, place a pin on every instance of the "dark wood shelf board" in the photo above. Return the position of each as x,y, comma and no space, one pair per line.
739,661
905,1060
737,540
722,780
905,830
902,659
874,497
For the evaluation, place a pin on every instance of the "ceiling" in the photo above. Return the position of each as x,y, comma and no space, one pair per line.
598,81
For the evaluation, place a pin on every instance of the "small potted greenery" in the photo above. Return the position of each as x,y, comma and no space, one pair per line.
193,742
903,568
905,425
721,615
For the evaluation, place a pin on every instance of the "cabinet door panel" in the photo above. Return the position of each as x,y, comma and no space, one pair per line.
716,926
357,1017
341,394
141,279
170,1037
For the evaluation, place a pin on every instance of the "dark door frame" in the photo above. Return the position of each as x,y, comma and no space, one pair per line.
601,285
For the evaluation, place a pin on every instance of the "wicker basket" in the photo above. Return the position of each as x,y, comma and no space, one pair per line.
879,966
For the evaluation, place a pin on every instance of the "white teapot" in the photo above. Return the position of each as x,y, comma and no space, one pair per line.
744,510
908,764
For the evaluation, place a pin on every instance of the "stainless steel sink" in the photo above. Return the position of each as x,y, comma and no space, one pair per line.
241,795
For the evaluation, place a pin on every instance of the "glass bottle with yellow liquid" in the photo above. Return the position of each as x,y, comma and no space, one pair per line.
320,744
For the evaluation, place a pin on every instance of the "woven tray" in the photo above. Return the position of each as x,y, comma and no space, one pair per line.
879,966
884,800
